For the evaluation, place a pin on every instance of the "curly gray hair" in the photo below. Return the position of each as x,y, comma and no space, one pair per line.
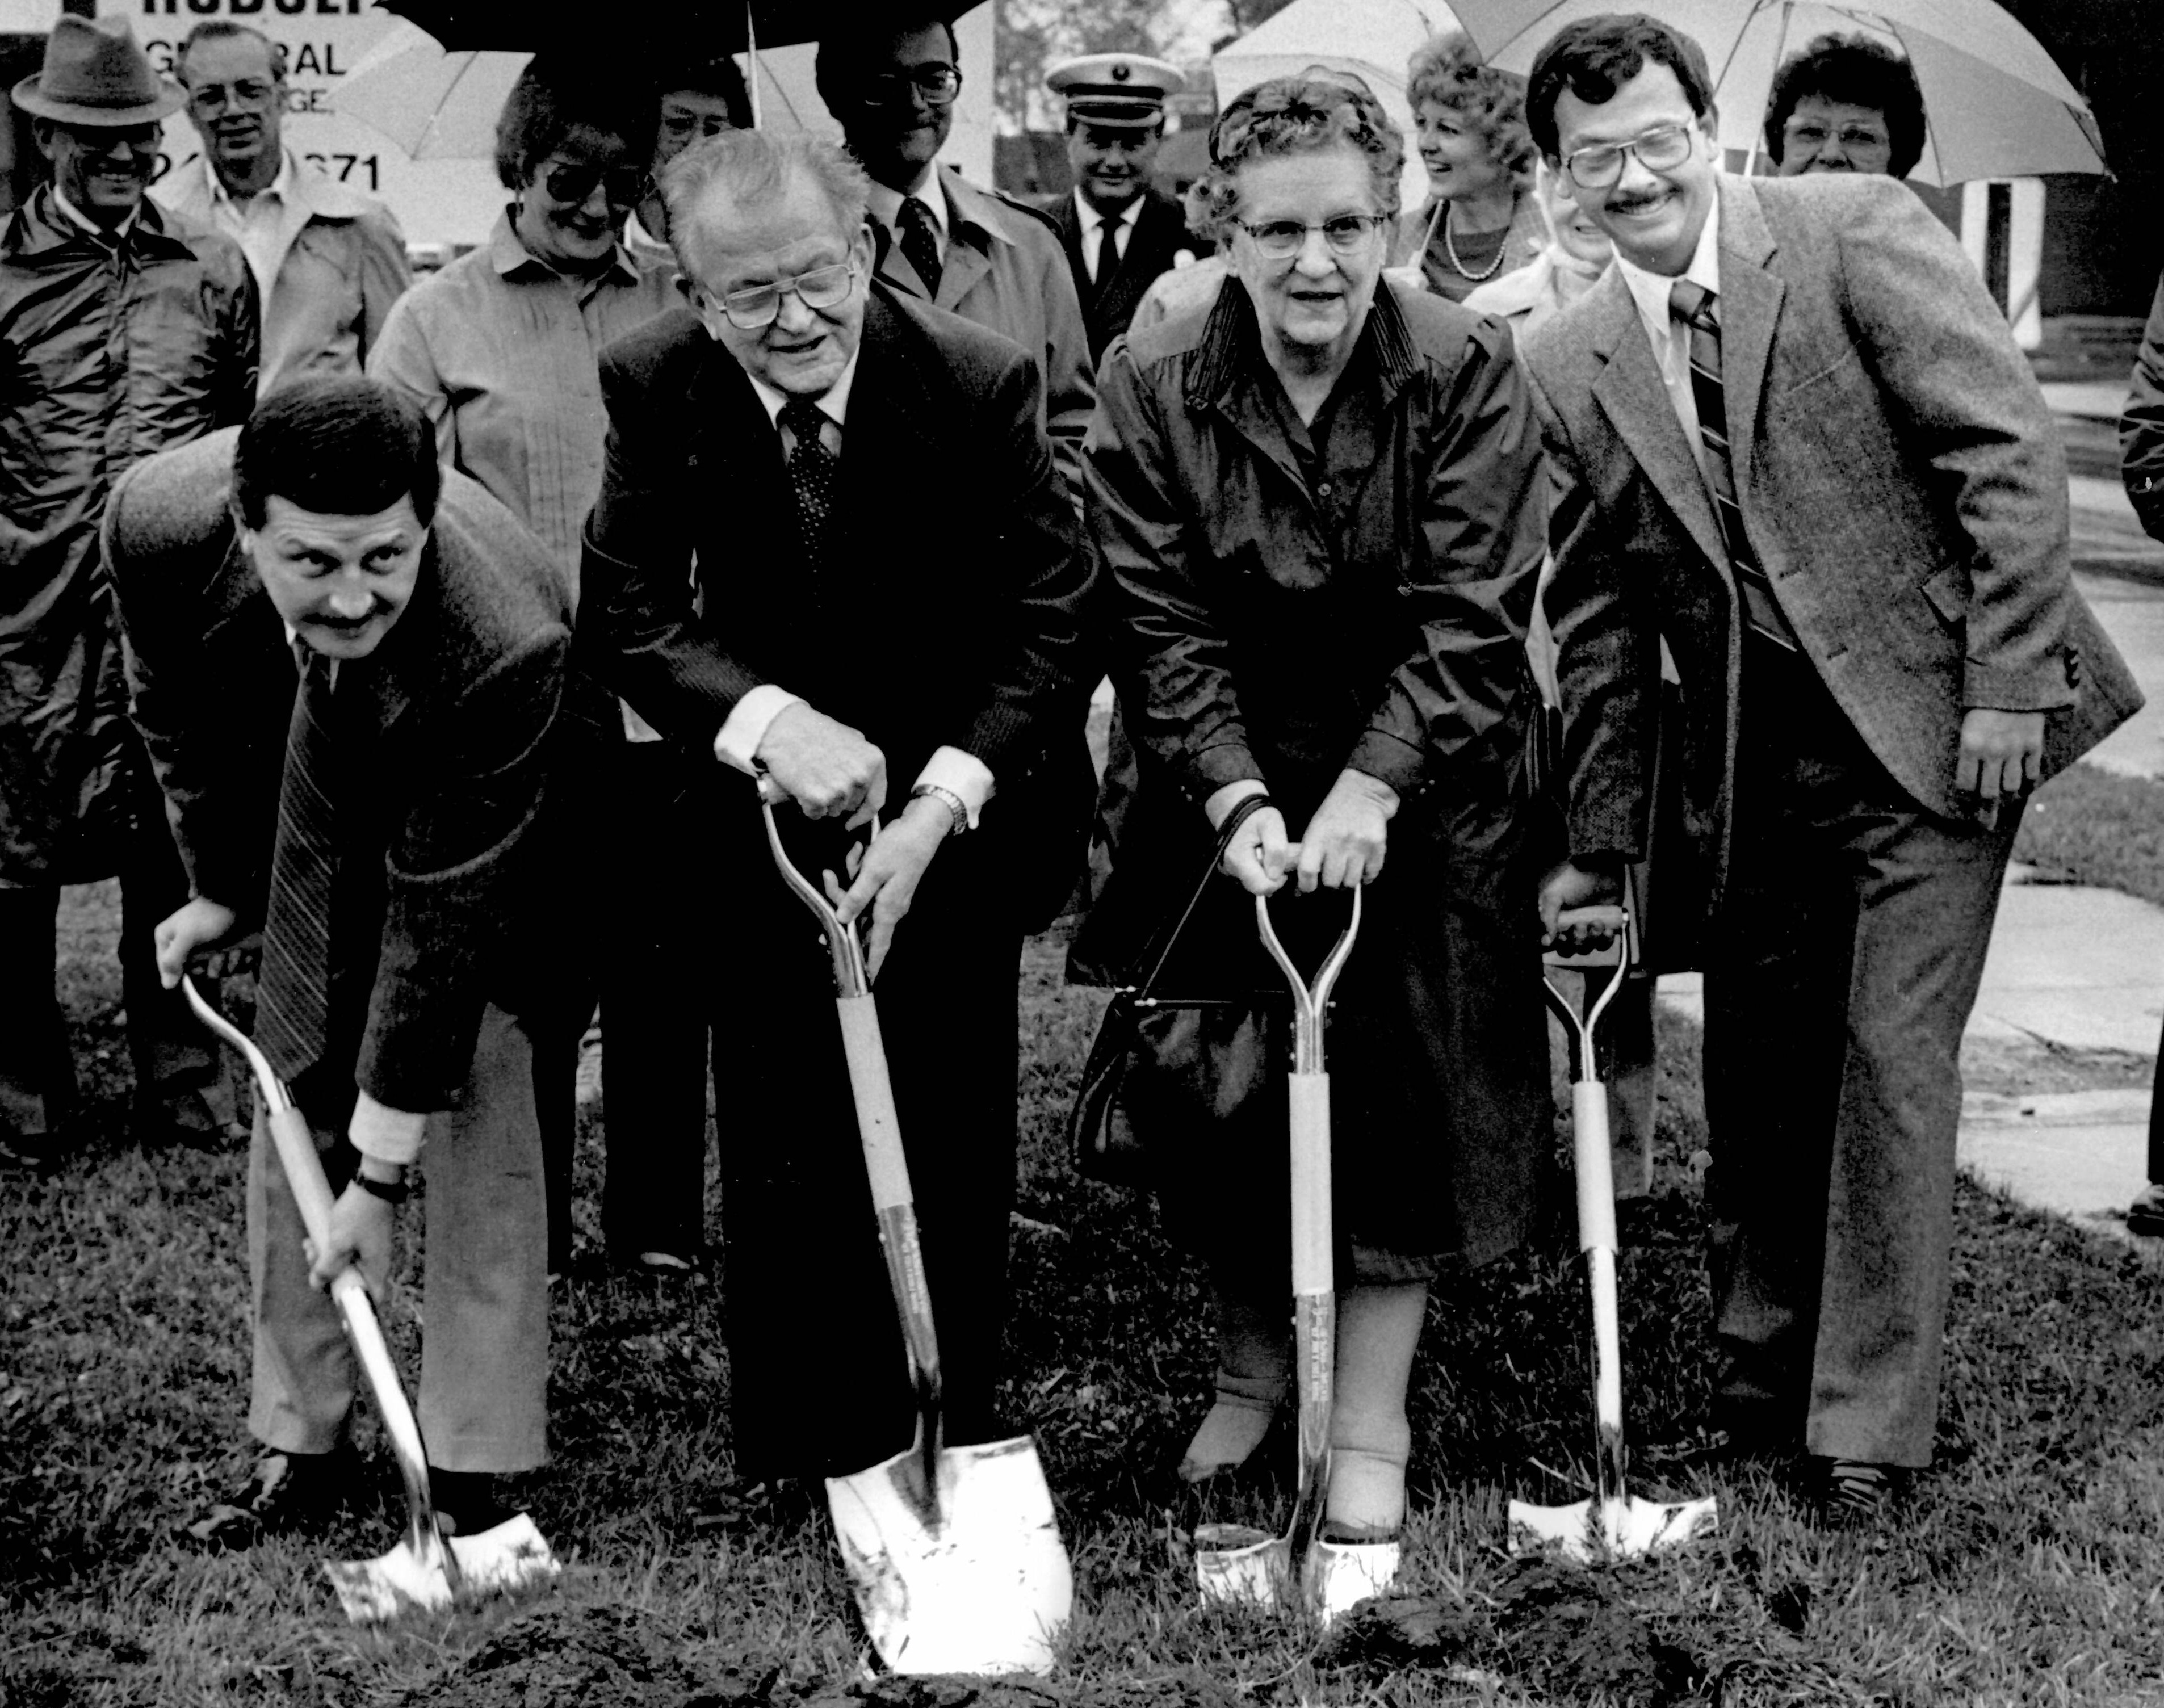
1310,114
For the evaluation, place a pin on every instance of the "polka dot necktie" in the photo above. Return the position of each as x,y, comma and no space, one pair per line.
811,474
920,242
1693,304
293,995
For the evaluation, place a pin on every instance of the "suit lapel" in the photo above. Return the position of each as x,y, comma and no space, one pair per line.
1630,391
1751,306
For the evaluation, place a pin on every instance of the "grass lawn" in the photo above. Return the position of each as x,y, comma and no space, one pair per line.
2030,1568
2092,826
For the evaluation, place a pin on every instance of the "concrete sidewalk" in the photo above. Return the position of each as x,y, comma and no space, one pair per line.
2073,989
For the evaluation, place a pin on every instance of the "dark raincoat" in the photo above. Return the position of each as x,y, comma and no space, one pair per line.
1291,601
108,353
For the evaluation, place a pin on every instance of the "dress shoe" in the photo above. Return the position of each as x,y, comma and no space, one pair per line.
466,1502
32,1153
285,1491
2145,1219
1855,1493
182,1118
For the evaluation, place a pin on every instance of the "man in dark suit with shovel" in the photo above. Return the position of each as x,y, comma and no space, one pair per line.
832,546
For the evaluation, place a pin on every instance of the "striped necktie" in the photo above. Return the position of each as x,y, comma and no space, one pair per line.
1693,305
292,996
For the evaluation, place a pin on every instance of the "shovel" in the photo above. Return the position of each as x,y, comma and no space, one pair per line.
1235,1563
954,1554
427,1569
1612,1524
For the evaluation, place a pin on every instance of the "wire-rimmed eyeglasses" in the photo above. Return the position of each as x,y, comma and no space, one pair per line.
1281,239
756,305
1658,150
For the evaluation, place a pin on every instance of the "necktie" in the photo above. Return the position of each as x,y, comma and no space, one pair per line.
811,469
1693,305
292,996
920,242
1108,249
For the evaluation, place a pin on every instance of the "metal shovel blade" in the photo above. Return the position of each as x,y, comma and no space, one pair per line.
505,1558
1589,1530
1337,1576
1237,1565
985,1589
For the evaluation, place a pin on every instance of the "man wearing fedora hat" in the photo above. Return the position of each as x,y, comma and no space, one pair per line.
1119,231
94,280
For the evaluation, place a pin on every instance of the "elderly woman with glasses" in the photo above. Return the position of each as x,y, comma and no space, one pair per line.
502,349
1319,502
1482,220
1846,104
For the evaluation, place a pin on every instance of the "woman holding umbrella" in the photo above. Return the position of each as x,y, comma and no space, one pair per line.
1320,503
1482,219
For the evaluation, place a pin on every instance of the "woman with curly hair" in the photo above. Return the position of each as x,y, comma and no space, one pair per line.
1482,219
1319,500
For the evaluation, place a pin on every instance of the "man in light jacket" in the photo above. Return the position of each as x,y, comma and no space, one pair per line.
329,259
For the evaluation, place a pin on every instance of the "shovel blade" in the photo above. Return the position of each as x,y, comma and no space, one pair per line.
1337,1576
1618,1529
413,1578
1237,1565
984,1588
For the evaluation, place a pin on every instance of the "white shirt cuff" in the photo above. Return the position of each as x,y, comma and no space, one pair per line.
737,744
387,1134
960,774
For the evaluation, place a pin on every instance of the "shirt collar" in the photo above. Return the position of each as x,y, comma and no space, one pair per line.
510,257
886,203
835,402
1650,291
281,187
90,225
1091,218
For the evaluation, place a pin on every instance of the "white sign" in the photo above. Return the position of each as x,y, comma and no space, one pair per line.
436,201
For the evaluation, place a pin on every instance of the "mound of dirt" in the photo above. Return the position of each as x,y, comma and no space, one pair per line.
627,1657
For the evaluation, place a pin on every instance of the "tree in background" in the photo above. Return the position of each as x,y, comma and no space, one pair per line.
1034,35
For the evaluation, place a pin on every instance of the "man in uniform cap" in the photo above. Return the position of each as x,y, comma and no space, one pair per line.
1119,232
122,332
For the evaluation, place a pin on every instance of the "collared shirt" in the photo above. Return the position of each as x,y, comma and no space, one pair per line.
962,775
504,354
886,207
1669,338
103,233
257,225
1093,233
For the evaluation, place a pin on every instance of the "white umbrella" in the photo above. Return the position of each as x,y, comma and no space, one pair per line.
1995,103
1371,38
434,103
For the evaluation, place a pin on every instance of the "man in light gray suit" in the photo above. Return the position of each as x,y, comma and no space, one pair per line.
1794,438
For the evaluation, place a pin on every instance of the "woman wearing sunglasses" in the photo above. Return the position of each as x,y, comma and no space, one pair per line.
1320,504
502,349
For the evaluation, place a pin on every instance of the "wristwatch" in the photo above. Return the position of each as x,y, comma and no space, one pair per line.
390,1191
948,799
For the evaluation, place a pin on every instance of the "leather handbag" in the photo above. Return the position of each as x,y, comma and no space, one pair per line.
1161,1065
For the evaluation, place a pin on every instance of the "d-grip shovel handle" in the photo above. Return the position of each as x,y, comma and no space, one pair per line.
348,1292
886,1164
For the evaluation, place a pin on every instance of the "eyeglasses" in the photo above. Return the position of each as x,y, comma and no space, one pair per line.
1281,239
1598,167
249,95
760,305
681,125
573,184
938,84
1855,139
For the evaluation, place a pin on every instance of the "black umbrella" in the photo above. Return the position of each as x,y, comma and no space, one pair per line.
706,26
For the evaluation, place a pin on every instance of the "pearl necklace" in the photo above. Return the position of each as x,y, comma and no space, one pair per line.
1450,249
